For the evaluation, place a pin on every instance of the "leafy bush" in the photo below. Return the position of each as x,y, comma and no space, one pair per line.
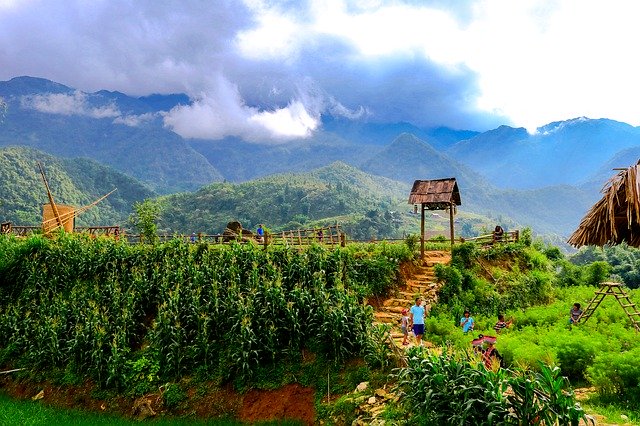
173,396
457,389
617,374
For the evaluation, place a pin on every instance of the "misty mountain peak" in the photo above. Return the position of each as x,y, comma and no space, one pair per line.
579,123
406,141
25,85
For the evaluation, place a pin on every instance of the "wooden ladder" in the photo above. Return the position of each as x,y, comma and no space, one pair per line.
615,290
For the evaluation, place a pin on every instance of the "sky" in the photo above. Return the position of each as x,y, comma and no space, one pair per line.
272,70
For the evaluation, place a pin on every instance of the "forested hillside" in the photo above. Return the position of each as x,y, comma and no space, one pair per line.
112,128
77,182
366,205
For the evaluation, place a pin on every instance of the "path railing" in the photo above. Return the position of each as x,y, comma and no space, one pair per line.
329,235
489,239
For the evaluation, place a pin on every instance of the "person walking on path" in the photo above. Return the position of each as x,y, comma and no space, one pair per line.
467,322
405,326
416,320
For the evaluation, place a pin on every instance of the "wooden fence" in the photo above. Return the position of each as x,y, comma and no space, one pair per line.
22,230
329,235
489,239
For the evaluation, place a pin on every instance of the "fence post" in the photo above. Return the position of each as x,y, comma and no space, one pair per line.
343,240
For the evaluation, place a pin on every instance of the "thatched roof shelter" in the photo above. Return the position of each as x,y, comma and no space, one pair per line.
616,217
435,194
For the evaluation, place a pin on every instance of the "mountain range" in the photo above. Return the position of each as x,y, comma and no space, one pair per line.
546,180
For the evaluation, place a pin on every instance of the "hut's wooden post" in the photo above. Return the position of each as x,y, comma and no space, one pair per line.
422,232
451,222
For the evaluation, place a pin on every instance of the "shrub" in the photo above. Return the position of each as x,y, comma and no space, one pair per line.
173,396
597,272
617,374
457,389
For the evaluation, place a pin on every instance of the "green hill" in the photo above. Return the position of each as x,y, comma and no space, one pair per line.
77,182
292,201
146,151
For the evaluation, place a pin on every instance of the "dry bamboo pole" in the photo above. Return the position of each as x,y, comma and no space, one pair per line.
74,213
50,195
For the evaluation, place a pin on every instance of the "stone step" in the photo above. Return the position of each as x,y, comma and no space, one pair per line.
419,283
426,277
397,310
425,288
398,302
386,317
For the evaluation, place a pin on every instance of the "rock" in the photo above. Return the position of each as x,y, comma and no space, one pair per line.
38,396
381,393
142,408
371,400
362,386
623,417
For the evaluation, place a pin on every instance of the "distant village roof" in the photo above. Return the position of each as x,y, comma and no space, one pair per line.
616,217
436,194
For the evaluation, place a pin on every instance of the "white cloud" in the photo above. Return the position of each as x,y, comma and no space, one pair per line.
290,122
134,120
221,112
462,64
67,104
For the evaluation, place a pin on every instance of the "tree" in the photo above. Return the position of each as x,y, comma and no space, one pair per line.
3,109
145,220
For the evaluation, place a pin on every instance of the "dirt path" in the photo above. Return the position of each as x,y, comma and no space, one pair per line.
420,283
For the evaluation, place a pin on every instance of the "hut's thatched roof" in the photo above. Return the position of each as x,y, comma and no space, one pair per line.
616,217
436,194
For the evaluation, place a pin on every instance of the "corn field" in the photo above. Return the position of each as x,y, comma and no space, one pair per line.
129,316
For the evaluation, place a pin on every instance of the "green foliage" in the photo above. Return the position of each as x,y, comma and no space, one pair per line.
130,317
77,182
145,220
624,263
472,281
457,389
617,374
464,256
597,272
412,241
378,352
366,206
141,375
173,396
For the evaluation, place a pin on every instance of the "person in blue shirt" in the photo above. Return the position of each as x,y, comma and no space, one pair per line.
467,322
416,320
260,233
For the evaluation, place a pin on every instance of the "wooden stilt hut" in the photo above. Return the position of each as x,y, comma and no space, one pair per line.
435,194
613,220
